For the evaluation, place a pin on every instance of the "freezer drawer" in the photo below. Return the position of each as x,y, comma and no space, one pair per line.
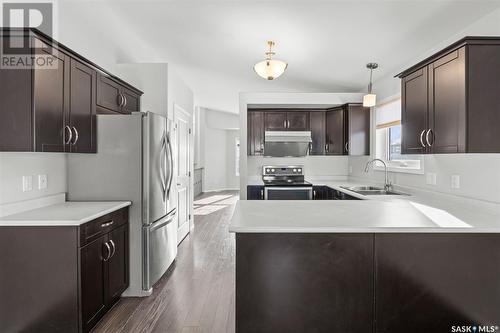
160,248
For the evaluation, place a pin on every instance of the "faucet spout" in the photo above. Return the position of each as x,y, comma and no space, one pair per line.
387,184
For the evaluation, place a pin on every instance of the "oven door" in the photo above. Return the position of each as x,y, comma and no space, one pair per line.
287,193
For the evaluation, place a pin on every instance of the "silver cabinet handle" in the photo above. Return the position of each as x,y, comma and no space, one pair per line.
427,137
107,224
113,248
124,100
77,136
326,147
262,194
68,129
310,147
422,138
109,252
347,146
120,99
284,123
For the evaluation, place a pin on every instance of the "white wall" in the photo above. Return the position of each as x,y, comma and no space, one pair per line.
479,173
13,166
218,132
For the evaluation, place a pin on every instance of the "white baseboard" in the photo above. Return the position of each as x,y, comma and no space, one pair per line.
221,189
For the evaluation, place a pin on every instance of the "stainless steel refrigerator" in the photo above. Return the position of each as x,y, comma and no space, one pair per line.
134,162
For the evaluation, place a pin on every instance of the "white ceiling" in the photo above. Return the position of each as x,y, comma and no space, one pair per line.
214,44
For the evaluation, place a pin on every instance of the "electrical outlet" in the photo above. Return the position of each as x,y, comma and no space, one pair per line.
27,183
455,181
431,178
42,182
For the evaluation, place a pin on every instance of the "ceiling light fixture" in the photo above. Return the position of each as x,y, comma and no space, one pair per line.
370,99
270,68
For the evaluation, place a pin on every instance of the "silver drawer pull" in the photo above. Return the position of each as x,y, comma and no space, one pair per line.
107,224
422,138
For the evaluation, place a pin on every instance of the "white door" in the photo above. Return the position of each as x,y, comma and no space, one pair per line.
182,120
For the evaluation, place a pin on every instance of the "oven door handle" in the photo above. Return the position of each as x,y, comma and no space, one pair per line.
279,188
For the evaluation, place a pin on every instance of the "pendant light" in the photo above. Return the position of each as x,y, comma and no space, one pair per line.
270,68
370,99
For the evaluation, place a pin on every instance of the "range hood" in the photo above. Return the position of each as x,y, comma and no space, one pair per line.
287,143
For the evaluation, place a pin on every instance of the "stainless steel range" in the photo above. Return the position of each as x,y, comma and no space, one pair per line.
285,183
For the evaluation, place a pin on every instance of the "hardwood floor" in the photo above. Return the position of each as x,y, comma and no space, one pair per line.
197,294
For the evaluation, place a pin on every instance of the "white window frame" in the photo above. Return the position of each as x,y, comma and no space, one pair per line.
412,165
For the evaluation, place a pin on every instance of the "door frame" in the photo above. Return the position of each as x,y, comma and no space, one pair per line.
179,110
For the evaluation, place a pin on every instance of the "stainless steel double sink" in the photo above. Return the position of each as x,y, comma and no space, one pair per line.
370,190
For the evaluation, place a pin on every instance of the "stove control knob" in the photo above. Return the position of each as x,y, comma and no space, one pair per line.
272,170
300,170
294,170
268,170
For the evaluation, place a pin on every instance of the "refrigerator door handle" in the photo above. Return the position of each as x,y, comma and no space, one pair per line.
162,168
164,221
171,160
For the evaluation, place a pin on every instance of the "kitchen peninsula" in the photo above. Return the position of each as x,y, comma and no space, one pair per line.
392,264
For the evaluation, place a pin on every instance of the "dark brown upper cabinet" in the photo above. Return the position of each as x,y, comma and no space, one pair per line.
317,121
82,112
275,121
286,120
357,130
297,121
450,100
255,133
113,96
335,139
53,108
342,130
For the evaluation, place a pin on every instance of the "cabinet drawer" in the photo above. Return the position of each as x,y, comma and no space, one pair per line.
104,224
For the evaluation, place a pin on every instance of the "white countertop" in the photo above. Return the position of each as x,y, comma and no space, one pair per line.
71,213
376,214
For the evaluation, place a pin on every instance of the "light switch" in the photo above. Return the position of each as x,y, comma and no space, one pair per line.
455,181
42,182
431,178
27,183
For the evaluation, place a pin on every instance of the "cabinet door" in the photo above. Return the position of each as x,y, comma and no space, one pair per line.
296,283
297,121
131,101
82,108
275,121
358,136
51,87
255,133
335,132
414,112
255,192
448,104
317,121
93,281
108,93
429,282
118,263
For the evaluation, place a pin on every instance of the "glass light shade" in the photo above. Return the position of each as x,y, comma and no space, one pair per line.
369,100
270,69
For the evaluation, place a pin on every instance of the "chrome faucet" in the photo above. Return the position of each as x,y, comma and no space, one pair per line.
387,185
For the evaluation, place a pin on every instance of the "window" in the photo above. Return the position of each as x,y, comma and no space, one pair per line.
237,156
388,136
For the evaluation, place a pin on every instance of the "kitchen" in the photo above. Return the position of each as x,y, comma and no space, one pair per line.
182,187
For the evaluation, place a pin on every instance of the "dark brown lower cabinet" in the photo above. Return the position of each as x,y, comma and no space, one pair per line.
62,278
255,192
296,283
382,283
431,282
